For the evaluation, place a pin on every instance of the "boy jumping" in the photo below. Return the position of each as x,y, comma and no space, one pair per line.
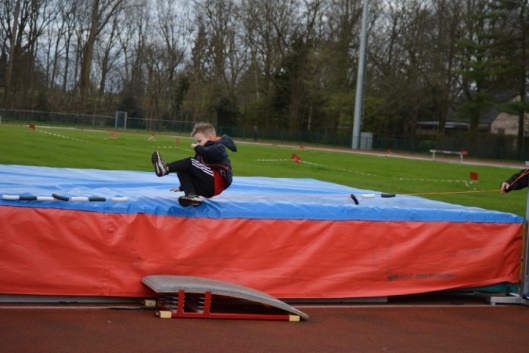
206,174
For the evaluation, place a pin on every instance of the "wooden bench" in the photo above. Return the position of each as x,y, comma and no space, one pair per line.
459,153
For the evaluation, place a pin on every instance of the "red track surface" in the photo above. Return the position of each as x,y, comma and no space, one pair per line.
416,326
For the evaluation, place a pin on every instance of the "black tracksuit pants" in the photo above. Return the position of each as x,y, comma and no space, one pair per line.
195,177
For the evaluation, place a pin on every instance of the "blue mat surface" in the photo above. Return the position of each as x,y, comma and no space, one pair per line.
248,197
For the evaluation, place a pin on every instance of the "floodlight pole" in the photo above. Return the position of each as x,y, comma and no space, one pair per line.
360,77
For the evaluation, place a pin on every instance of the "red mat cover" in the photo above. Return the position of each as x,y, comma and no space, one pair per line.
63,248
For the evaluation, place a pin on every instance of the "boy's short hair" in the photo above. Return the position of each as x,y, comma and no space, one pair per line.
205,128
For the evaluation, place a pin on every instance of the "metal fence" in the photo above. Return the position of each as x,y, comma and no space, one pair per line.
488,146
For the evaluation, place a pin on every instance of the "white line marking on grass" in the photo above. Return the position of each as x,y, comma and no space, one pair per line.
466,182
61,136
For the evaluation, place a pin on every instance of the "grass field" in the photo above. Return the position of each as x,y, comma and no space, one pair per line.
437,180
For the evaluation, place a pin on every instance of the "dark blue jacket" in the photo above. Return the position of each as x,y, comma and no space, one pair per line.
214,155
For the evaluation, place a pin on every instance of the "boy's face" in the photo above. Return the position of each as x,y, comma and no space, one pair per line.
201,139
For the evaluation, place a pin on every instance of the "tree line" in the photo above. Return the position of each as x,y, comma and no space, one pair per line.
278,64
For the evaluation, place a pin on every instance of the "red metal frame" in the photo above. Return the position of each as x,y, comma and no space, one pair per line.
186,311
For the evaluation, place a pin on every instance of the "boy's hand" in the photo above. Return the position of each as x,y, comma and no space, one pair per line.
504,187
193,145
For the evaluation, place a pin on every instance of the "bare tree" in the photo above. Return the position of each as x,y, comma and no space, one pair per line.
223,57
174,31
132,40
100,13
11,13
478,65
269,25
69,20
22,24
388,69
163,59
272,28
441,74
337,52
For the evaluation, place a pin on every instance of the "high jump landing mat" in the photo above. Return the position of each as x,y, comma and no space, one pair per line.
291,238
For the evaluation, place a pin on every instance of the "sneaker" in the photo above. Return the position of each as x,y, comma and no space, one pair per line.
160,168
190,200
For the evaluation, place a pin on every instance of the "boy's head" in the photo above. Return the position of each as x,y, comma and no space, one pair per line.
203,132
